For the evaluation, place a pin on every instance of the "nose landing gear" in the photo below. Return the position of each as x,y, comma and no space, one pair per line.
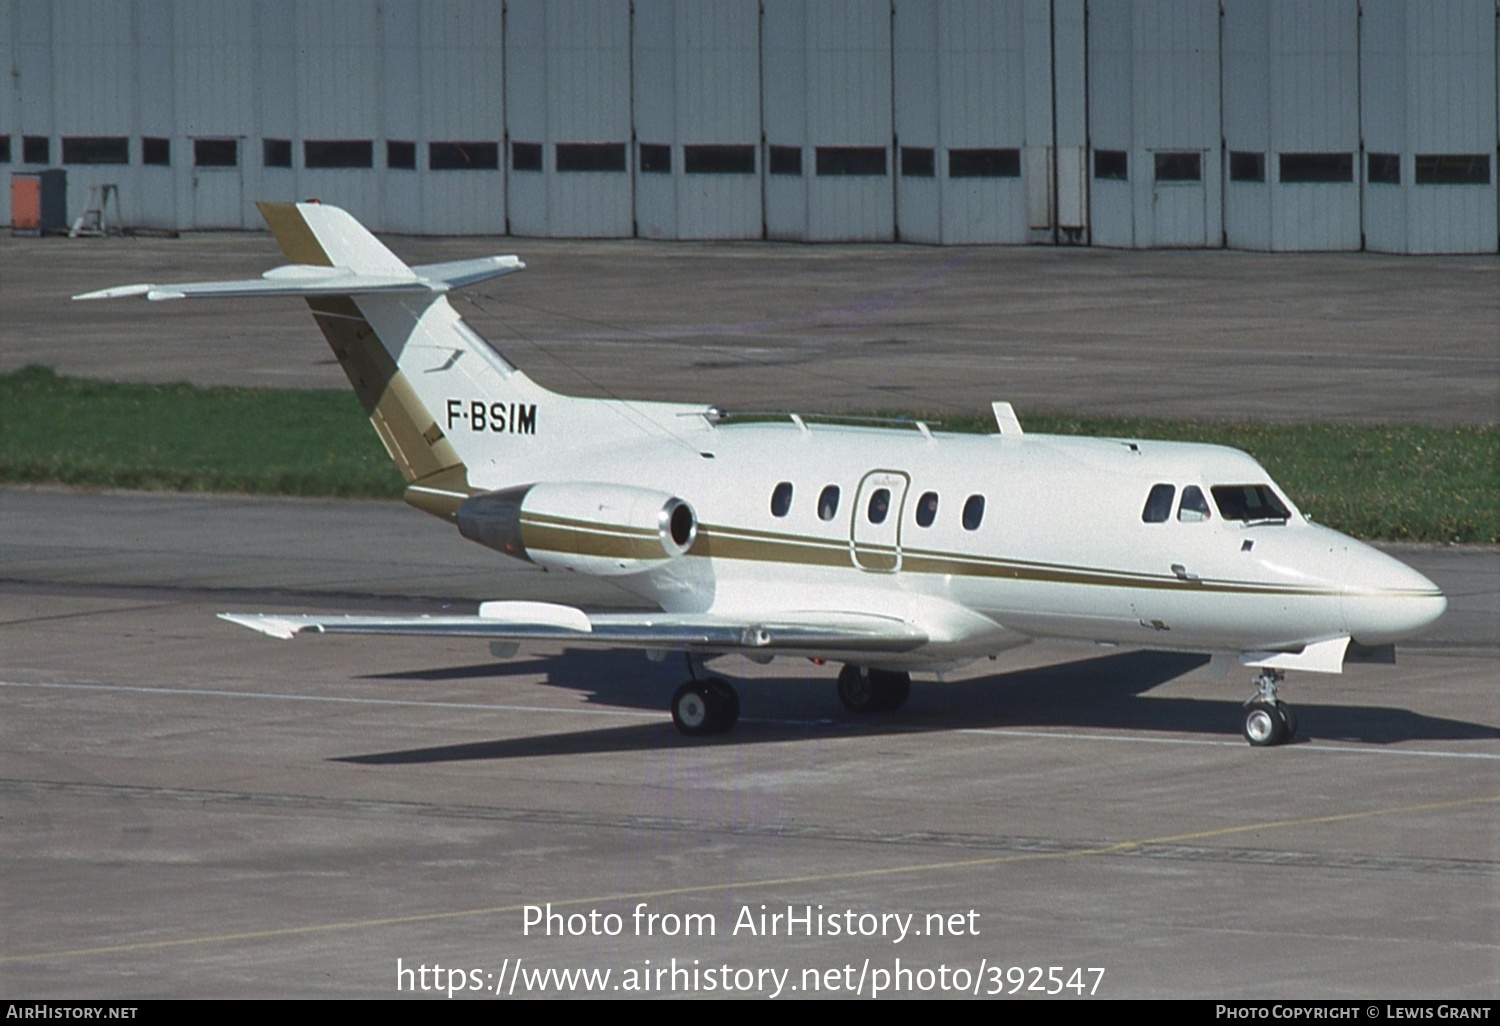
1268,720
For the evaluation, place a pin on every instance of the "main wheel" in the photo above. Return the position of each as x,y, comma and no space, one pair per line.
892,689
693,707
857,689
728,701
1264,725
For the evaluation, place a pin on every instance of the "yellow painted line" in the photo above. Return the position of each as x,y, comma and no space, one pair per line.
667,892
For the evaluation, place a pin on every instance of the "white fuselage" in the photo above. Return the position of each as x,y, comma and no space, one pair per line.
1061,549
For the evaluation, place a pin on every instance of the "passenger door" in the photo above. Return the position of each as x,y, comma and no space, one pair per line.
875,527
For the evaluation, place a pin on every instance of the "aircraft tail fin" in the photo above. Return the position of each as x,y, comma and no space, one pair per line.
455,416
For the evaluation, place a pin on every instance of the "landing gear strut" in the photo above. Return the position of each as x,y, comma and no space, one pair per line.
868,691
702,707
1268,720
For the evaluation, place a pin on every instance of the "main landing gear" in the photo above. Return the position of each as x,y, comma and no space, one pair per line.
868,691
710,705
1268,720
707,706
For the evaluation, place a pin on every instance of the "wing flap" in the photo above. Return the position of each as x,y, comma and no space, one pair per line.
539,621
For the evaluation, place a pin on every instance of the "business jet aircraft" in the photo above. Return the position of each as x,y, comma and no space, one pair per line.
890,549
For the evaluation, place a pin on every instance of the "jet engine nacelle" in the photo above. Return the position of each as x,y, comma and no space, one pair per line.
599,529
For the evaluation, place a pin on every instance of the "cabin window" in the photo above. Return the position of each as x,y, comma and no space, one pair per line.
781,499
1249,502
880,505
828,503
927,509
973,512
1159,504
1194,508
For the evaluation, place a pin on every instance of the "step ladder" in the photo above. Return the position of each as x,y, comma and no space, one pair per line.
96,220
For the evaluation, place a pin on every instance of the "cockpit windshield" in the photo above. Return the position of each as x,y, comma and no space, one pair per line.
1249,502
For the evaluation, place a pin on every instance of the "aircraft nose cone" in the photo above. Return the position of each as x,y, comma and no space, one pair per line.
1384,600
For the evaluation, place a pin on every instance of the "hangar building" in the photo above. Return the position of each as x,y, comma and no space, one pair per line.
1252,124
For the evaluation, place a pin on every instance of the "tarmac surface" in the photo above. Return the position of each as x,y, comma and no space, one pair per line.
188,809
1354,337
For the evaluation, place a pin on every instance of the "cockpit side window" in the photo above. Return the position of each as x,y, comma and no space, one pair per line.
1159,504
828,503
1194,508
1249,502
781,499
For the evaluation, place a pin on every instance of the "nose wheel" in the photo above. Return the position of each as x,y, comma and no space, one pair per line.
1268,720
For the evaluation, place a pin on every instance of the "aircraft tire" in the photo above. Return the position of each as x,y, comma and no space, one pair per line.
1288,719
858,690
694,708
1264,726
728,701
891,689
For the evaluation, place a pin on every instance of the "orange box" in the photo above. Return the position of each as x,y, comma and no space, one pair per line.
26,203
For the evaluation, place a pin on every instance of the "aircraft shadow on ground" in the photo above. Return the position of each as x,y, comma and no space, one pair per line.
1102,693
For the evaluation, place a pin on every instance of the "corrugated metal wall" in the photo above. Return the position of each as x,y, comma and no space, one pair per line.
971,78
696,95
1154,114
1261,124
1291,124
1426,72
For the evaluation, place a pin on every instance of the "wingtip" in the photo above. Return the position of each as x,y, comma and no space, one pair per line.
118,292
270,626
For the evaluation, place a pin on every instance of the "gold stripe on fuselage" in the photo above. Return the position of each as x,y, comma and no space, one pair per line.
718,542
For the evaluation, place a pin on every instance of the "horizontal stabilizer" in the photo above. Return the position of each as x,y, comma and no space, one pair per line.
458,273
534,621
314,280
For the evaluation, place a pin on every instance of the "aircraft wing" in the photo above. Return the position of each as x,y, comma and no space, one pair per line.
811,631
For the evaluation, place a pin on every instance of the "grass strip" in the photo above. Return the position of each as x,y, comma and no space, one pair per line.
1399,483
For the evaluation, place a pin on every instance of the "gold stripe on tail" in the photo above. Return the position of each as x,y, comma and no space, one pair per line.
437,479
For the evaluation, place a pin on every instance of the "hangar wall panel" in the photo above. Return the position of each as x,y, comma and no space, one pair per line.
94,93
526,116
1313,109
216,86
569,62
848,97
457,85
148,198
411,65
976,87
277,65
1247,128
1070,131
916,118
1176,114
1426,74
1111,125
1266,124
784,117
696,83
9,114
1154,97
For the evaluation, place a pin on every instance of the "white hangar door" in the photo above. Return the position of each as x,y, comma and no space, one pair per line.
1179,199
